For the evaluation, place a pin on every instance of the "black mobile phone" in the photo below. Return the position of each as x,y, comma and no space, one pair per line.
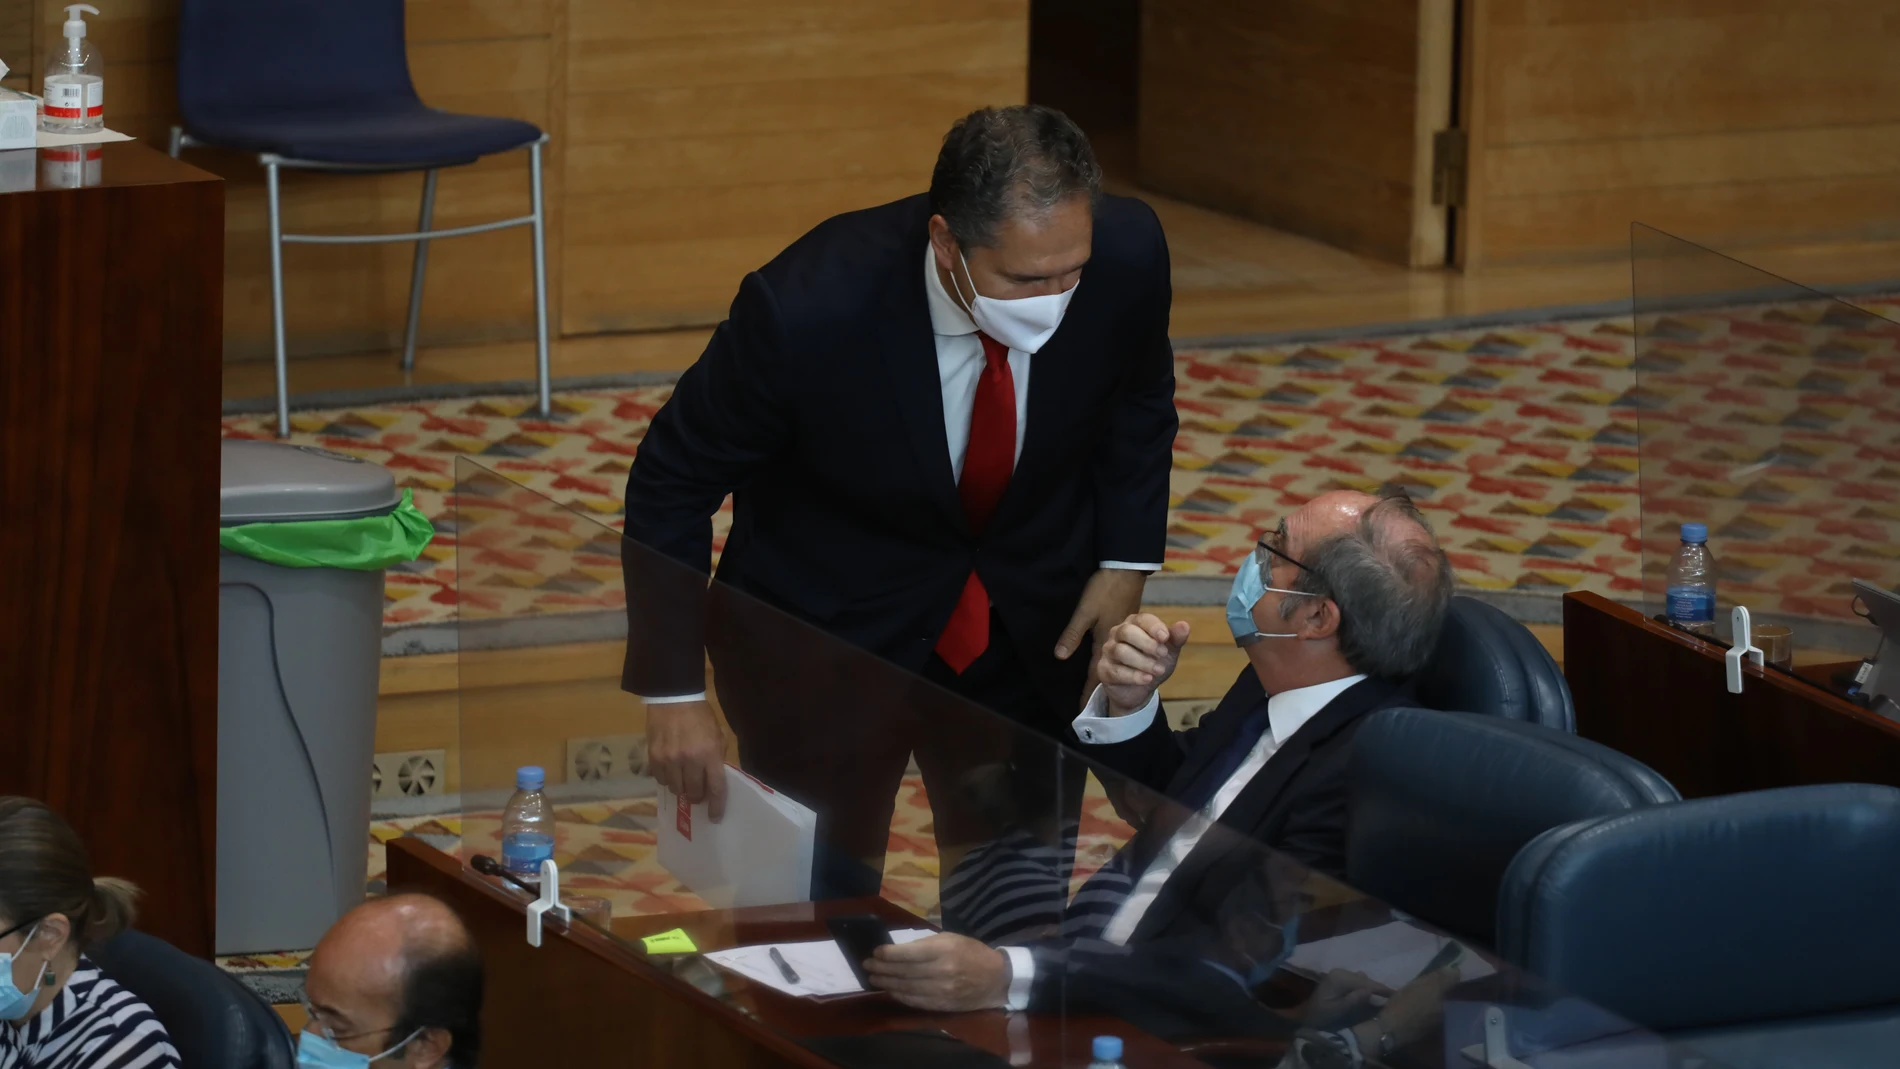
1452,953
859,936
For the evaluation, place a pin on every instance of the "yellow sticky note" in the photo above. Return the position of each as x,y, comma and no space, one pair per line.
673,942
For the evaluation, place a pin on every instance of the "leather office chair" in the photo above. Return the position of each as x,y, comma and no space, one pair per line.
1441,803
214,1021
1758,928
1488,663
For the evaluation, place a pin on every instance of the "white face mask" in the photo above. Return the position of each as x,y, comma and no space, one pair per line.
1024,324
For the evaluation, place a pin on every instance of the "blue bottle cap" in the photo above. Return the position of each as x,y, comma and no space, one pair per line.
1695,533
530,778
1107,1048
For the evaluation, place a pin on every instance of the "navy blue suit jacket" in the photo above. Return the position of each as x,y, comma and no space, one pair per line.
818,405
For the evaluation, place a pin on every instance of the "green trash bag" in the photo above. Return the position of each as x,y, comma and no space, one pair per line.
365,544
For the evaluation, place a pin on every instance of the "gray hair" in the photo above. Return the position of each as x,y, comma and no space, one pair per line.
1392,588
998,162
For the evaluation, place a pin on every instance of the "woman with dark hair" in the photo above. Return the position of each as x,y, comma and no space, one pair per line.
60,1011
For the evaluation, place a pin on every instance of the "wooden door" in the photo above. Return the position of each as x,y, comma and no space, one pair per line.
1314,116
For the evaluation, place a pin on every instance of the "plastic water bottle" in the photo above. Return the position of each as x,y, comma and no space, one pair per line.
1107,1052
527,826
1692,583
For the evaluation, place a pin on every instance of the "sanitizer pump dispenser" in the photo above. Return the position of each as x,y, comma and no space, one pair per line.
75,97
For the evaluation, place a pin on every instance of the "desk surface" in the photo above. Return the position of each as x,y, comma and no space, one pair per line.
118,164
1661,697
1039,1040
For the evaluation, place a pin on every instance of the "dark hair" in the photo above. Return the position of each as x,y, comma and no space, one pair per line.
1002,161
442,988
44,869
1392,587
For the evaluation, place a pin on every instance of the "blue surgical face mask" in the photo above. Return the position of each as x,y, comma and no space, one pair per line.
320,1052
1246,592
15,1003
1289,939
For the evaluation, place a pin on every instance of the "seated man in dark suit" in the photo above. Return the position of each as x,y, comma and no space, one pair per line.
1337,608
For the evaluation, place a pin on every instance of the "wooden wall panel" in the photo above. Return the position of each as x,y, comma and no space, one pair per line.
696,138
704,137
16,42
495,57
1733,122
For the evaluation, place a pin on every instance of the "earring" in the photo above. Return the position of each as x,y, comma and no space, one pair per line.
49,981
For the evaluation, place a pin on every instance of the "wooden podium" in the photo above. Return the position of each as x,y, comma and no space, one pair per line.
1662,697
111,310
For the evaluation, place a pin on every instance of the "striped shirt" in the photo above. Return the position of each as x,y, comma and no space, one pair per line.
92,1023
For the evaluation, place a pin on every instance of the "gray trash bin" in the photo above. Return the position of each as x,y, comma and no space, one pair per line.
298,655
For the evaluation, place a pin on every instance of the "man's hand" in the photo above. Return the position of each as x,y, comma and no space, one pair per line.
1111,596
1139,655
1342,995
686,752
944,974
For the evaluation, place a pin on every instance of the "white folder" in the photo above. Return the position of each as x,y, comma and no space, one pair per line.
759,854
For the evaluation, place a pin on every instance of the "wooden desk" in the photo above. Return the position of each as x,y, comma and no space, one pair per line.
111,311
583,998
1661,697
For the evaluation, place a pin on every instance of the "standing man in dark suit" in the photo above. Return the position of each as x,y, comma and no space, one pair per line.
947,424
1337,609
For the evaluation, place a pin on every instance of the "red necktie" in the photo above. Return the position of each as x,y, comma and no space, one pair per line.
987,463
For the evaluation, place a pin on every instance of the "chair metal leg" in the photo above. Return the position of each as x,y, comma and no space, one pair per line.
277,299
540,282
178,141
416,273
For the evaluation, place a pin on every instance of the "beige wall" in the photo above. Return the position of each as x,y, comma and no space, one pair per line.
692,140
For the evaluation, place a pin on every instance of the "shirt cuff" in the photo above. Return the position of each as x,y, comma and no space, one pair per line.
1097,727
1022,977
675,699
1128,566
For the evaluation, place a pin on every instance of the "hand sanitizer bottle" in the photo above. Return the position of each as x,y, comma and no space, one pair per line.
75,97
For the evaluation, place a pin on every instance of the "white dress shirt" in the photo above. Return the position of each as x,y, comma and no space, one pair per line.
960,364
1287,712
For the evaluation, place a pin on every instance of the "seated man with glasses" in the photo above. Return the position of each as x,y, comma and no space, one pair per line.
396,980
1337,609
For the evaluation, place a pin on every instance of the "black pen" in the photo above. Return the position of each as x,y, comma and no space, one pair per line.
784,967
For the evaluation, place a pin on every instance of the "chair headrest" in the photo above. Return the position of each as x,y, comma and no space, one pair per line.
1488,663
1441,803
1746,907
213,1020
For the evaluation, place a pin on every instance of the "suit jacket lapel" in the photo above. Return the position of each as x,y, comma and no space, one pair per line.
909,350
1261,794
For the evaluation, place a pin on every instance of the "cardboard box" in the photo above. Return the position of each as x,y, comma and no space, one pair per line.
19,119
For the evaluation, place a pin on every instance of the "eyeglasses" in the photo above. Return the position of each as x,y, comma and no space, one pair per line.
1271,544
324,1030
17,927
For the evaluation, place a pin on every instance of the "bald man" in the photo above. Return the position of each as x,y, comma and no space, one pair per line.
1337,608
396,981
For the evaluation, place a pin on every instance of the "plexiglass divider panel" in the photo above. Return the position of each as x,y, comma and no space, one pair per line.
1771,413
995,833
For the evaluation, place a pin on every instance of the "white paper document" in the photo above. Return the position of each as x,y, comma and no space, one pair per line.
91,137
759,854
820,965
1391,954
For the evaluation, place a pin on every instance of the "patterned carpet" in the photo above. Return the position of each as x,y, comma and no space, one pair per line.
1519,441
610,850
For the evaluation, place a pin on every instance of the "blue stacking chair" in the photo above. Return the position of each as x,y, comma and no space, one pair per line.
325,86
